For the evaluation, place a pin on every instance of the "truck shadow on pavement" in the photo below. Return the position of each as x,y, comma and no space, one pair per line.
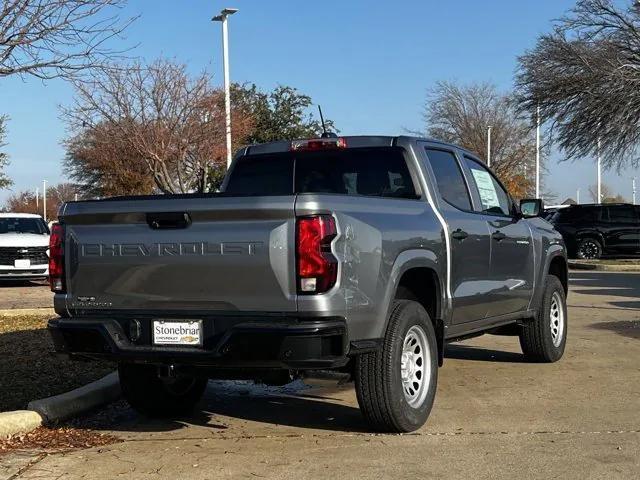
227,407
468,352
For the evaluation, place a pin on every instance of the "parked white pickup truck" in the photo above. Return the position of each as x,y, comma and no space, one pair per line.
24,245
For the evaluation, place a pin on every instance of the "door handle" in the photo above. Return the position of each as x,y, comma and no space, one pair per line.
497,236
459,234
168,220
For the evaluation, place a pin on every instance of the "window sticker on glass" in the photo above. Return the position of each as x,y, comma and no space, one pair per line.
486,188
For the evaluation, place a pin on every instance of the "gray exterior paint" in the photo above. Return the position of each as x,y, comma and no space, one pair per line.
238,254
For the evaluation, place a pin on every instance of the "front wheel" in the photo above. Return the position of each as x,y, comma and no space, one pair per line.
396,385
153,396
544,338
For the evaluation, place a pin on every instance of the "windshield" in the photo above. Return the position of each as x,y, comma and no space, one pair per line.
23,225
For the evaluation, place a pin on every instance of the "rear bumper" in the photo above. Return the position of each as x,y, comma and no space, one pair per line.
227,342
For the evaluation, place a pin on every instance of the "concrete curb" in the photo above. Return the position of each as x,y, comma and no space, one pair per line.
80,400
18,422
18,312
60,407
603,267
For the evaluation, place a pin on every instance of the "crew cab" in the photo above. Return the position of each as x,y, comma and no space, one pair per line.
361,254
24,242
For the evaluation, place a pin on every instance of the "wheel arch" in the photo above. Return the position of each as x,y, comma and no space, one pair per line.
417,276
558,267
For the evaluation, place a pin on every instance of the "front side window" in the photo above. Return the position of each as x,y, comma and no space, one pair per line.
449,178
493,197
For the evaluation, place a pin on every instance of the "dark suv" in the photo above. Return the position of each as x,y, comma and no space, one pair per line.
591,231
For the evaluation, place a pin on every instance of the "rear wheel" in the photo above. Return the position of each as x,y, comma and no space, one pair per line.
544,338
589,249
151,395
396,385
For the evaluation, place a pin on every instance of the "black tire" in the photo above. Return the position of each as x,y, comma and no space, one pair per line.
378,375
589,249
537,338
155,397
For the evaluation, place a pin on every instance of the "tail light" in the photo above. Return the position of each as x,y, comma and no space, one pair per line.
56,258
318,144
317,267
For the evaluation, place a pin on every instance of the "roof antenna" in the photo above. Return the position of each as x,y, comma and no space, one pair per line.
325,134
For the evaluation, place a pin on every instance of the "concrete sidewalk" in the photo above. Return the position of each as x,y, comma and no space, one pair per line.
494,417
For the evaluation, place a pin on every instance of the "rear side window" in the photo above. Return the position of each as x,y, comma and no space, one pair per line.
621,214
377,172
449,178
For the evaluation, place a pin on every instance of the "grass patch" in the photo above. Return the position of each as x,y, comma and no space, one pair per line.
29,367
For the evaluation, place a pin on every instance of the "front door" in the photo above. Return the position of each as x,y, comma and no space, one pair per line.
511,271
469,239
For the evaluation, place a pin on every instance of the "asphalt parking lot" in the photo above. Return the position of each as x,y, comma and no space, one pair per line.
25,294
494,417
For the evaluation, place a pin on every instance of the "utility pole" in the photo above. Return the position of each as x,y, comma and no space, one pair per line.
37,199
538,151
224,14
44,200
578,196
488,145
633,189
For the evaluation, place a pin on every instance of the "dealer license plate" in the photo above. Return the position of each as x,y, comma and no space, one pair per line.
177,332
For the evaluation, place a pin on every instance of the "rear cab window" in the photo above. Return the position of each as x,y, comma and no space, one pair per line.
375,171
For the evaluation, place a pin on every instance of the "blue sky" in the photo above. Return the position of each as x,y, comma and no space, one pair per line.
367,63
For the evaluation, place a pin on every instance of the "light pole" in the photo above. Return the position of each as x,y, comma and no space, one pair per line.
599,176
578,196
44,200
633,189
224,14
488,145
538,152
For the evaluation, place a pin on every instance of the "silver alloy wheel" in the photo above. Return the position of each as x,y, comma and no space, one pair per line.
556,319
415,366
589,249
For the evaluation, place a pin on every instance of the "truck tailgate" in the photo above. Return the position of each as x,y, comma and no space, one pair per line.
233,254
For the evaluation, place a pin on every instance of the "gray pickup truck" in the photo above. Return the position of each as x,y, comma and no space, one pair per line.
361,254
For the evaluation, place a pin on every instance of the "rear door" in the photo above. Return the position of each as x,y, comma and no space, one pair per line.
470,244
622,230
511,271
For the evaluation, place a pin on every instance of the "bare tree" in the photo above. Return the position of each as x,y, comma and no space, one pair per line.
461,115
585,77
4,158
608,196
172,122
104,168
57,38
25,201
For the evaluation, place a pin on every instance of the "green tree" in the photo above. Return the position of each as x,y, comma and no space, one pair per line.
281,114
4,158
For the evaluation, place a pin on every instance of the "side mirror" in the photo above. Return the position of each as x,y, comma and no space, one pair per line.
531,207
